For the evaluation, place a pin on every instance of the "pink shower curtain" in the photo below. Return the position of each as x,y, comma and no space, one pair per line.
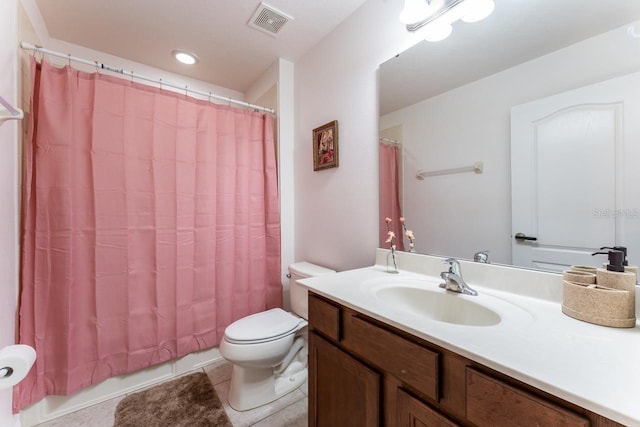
390,195
150,223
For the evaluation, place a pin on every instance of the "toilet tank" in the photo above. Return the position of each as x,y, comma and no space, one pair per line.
297,293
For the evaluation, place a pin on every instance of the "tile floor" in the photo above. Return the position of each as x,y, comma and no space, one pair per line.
290,410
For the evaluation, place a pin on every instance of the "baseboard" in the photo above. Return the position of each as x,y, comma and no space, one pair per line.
52,407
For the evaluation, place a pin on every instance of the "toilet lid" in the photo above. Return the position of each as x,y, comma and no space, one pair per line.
262,326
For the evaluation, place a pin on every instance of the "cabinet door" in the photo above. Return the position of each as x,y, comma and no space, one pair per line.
342,391
414,413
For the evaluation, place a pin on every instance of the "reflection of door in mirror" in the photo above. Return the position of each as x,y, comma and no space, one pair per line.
390,172
574,180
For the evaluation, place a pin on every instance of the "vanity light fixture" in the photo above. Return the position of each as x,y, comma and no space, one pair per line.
433,18
185,57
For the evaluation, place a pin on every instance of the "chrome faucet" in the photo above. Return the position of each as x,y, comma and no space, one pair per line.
482,256
453,280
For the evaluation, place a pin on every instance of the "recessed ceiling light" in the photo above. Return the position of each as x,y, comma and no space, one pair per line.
185,57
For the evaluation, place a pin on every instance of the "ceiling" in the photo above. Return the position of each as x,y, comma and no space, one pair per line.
517,31
231,53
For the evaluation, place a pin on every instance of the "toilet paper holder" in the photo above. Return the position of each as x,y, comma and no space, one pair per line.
15,363
6,372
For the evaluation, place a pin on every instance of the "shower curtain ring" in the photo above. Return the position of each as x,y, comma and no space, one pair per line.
37,50
186,89
160,84
209,96
97,70
69,58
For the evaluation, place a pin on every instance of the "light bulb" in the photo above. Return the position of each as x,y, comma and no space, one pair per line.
185,57
436,31
477,10
412,11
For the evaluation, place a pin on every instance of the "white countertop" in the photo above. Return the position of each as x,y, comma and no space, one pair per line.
592,366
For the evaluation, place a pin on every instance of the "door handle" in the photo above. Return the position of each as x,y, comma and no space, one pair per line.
522,236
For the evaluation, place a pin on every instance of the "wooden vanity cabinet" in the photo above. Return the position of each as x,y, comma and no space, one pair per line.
363,372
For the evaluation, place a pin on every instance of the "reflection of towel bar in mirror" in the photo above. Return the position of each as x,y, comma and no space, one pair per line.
478,167
389,140
10,113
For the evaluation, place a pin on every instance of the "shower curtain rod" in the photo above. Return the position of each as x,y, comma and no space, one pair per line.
101,66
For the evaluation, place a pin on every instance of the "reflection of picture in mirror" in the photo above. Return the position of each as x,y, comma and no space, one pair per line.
466,116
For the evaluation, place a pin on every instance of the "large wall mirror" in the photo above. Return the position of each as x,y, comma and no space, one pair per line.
542,98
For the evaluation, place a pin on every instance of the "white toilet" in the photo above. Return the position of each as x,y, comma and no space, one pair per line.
268,349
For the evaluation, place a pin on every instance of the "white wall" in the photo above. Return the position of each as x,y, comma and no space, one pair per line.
458,215
281,75
286,123
336,210
8,191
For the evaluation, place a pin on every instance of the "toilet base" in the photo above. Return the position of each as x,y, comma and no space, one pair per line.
254,387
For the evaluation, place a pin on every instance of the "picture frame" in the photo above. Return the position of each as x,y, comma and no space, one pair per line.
325,146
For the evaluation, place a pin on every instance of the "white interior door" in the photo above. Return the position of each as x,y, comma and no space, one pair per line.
572,174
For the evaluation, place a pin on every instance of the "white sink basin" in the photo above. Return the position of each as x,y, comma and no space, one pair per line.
439,305
426,299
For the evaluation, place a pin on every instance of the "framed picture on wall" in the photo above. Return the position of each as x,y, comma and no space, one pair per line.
325,146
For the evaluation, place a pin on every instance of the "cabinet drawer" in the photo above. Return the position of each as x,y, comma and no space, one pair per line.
491,402
409,362
324,317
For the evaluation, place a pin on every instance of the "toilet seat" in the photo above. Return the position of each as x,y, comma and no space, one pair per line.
263,327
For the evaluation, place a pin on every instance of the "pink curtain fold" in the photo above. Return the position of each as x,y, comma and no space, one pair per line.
150,223
390,195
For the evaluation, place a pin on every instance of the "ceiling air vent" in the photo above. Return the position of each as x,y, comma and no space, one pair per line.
268,20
